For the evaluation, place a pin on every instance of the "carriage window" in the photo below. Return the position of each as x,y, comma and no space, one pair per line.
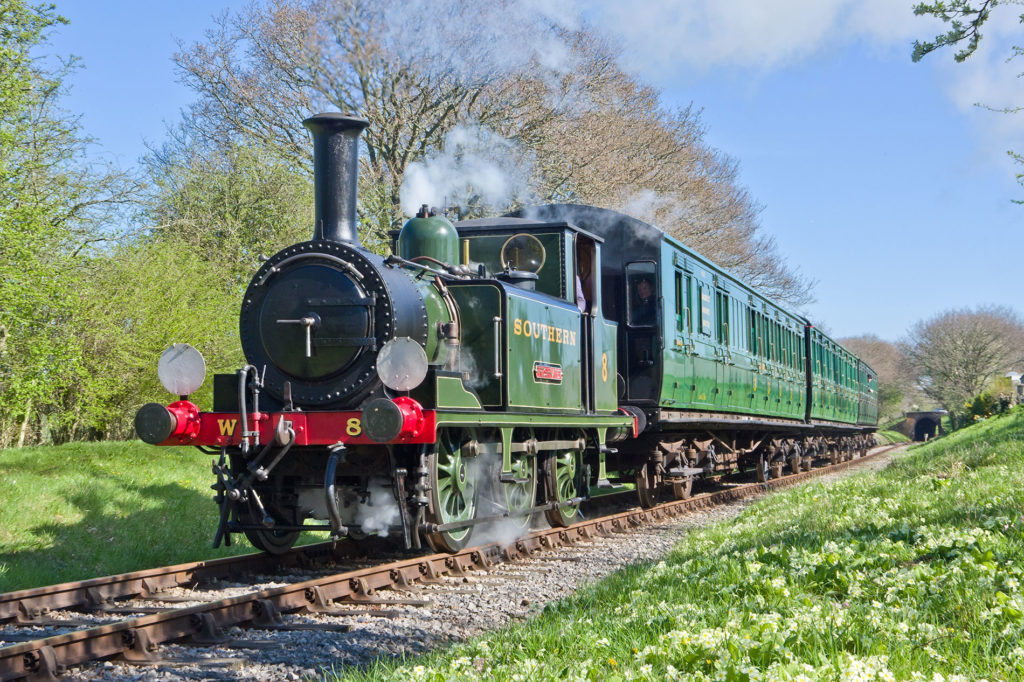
753,332
642,294
679,301
705,310
762,335
683,321
722,315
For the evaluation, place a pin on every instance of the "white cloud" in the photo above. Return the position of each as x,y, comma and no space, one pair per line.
667,38
670,41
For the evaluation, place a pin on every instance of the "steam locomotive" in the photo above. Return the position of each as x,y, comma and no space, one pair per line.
496,371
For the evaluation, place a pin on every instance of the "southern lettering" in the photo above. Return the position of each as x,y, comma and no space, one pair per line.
545,332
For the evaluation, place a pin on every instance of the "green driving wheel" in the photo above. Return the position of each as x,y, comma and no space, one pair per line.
520,493
453,493
560,484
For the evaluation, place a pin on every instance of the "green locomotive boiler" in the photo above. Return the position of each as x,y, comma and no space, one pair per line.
494,374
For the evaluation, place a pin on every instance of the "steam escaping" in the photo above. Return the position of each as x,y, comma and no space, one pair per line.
503,531
380,510
475,168
659,209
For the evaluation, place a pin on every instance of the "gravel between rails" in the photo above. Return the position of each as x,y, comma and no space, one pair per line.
459,608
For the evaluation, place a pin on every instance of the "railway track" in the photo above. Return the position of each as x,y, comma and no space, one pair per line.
328,579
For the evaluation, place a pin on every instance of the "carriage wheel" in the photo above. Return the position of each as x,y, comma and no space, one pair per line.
796,463
683,491
648,486
453,492
560,485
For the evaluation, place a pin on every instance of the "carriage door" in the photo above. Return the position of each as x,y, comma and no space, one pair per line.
643,334
586,300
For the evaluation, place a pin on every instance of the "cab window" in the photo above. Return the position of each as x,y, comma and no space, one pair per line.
642,294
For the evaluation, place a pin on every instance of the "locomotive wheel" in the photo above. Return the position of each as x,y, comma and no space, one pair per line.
648,486
776,469
268,540
453,493
560,485
519,495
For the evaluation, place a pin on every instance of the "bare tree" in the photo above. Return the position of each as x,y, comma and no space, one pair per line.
896,387
957,353
581,128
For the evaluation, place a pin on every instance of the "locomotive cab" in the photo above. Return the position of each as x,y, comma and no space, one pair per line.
557,350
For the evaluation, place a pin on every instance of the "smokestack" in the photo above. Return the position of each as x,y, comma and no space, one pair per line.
335,174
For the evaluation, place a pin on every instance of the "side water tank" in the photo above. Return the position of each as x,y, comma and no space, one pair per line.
429,236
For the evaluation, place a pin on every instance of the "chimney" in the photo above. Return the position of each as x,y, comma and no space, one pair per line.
335,174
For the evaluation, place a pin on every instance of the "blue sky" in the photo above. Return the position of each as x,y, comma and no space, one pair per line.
878,177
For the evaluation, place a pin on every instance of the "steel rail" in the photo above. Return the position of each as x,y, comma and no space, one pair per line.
25,606
138,638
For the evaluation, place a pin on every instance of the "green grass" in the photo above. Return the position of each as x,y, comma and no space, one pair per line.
888,436
86,509
913,573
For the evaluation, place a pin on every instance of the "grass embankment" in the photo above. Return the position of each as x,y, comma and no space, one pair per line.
86,509
888,436
910,574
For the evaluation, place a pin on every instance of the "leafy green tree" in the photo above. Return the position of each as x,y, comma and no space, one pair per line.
137,299
52,209
234,202
966,18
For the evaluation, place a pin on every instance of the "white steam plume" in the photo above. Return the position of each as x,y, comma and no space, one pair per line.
474,168
379,512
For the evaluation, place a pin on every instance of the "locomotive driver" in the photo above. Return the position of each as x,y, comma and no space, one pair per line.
645,306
